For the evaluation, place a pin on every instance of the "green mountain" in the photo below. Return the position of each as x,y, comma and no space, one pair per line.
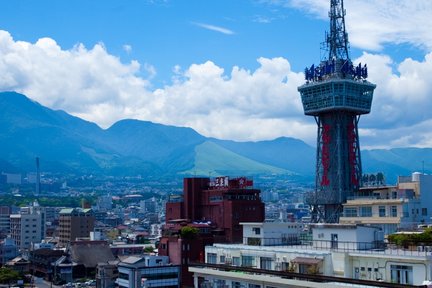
211,159
68,144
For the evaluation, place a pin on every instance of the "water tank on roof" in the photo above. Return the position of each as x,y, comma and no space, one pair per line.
416,176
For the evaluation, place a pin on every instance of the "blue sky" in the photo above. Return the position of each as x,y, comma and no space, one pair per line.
228,69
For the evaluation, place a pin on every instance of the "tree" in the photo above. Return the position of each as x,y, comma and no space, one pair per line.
8,275
380,178
148,249
188,232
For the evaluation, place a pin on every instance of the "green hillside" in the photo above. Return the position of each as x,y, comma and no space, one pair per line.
213,159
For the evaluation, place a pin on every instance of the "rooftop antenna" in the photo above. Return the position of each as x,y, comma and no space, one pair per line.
337,40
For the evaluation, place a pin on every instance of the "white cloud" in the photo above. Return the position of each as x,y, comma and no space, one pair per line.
214,28
371,23
238,104
402,97
127,48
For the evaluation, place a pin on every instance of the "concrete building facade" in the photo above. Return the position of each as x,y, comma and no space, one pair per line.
393,208
75,223
148,271
26,229
310,263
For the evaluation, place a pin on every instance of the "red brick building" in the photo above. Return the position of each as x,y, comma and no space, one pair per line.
215,207
223,201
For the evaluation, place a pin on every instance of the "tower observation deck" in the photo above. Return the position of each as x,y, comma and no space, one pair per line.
336,93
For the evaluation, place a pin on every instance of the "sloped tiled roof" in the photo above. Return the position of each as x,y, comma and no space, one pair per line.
90,255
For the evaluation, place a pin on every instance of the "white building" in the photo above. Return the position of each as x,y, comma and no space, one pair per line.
148,271
340,257
392,208
156,230
271,233
26,229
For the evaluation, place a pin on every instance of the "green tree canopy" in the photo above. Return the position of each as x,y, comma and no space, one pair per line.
8,275
188,232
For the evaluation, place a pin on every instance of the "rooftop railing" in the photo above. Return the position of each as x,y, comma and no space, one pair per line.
421,249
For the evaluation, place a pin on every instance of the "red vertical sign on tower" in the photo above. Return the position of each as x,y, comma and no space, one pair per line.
352,153
325,154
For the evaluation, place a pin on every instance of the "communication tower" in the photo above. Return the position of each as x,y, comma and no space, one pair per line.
336,93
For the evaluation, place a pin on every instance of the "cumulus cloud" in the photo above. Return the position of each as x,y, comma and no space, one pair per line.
372,24
237,104
403,96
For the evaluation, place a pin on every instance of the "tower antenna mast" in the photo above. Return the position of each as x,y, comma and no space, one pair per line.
337,40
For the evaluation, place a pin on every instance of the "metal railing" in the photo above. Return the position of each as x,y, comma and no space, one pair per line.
421,249
304,277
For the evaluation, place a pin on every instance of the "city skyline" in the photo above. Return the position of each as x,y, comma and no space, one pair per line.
227,69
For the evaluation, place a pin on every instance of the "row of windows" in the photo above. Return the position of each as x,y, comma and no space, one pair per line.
366,211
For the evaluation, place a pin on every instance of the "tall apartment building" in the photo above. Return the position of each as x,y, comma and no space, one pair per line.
75,223
36,209
212,207
223,201
26,229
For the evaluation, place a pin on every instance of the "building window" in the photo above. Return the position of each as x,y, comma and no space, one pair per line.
382,211
393,211
222,259
350,211
366,211
401,274
124,276
248,261
424,211
254,286
236,261
211,258
256,230
266,263
236,285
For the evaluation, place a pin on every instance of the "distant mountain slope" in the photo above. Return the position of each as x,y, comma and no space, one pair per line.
397,161
66,143
169,146
212,159
63,142
287,153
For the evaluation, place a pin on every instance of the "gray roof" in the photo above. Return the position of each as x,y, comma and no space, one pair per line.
91,254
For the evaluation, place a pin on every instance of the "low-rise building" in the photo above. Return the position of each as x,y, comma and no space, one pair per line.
148,271
271,233
8,250
342,254
393,208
